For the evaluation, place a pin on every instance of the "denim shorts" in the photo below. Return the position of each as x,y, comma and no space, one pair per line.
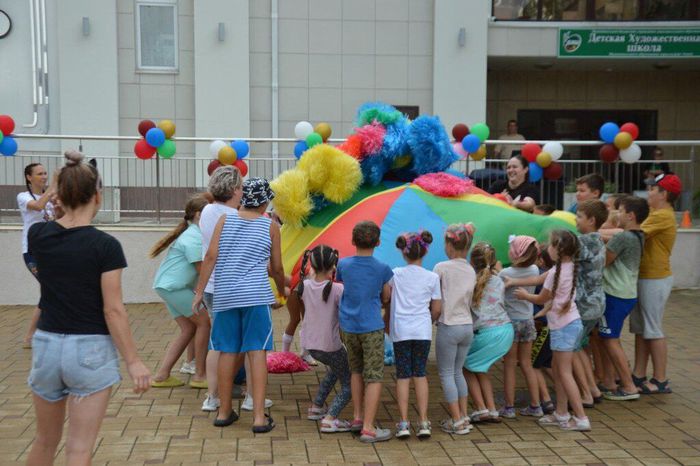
77,365
566,338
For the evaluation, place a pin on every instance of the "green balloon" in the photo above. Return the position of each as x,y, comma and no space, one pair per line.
313,139
481,131
1,136
167,149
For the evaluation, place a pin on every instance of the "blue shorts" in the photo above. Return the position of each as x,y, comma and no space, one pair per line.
178,302
616,311
488,346
411,357
242,329
567,338
77,365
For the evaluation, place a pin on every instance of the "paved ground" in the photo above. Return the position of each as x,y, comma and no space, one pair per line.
166,426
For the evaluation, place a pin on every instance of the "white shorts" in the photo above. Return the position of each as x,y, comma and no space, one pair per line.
647,315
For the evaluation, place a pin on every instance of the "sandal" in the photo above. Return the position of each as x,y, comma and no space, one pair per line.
480,416
233,417
265,428
661,388
638,381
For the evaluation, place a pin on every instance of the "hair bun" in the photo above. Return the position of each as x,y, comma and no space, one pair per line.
426,236
401,242
73,157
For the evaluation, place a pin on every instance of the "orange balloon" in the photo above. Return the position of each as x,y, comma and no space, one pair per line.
623,140
324,129
479,154
168,128
227,155
544,159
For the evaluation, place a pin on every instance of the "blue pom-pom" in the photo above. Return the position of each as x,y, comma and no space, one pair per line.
430,145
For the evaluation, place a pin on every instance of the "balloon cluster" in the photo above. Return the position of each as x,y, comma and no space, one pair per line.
229,154
8,145
309,136
155,139
470,141
619,142
543,160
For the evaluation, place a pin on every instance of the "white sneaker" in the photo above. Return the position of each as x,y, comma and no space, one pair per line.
247,403
188,368
577,424
308,359
211,403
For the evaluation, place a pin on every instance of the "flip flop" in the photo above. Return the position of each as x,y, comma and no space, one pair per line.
199,384
170,382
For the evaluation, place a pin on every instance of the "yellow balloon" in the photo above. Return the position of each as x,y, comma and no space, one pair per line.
544,159
227,155
168,128
324,129
401,161
623,140
479,154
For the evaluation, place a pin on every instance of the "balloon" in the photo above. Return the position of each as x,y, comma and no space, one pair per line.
168,128
608,131
8,146
216,146
241,147
459,131
324,129
555,149
608,153
213,165
479,154
227,156
7,124
481,131
155,137
143,150
623,140
242,167
471,143
167,149
544,159
535,173
530,151
631,154
299,148
144,126
1,136
303,129
459,150
554,171
313,139
632,129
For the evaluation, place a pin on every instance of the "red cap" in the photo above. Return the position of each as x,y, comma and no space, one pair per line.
670,183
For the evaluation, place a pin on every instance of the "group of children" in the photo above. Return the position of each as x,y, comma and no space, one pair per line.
559,306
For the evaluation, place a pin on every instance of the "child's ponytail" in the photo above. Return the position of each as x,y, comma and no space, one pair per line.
330,262
194,205
302,273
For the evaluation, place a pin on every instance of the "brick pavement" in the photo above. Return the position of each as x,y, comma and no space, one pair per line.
167,426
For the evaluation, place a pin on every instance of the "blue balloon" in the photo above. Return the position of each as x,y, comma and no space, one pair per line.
471,143
608,131
8,146
535,173
155,137
242,148
300,148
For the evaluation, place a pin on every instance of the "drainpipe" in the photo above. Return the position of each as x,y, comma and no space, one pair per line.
275,88
34,89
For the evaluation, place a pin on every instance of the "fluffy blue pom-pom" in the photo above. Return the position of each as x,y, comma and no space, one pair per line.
430,145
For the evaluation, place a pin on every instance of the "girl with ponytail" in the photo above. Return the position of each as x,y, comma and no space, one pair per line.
317,299
174,283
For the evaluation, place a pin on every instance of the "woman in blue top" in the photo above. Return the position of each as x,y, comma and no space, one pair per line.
242,246
174,282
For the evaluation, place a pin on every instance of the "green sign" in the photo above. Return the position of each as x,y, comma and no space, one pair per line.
621,43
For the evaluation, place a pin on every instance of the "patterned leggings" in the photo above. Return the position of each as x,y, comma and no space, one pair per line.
337,369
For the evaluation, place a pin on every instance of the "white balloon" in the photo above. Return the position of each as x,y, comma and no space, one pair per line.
215,147
631,154
303,129
555,149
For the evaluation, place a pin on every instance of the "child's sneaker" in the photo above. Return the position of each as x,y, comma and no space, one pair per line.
308,359
403,429
211,403
507,412
331,426
424,430
534,411
379,435
461,427
247,404
576,424
554,419
314,413
356,425
188,368
547,407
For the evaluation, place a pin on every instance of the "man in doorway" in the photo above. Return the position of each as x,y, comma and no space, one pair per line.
506,151
657,168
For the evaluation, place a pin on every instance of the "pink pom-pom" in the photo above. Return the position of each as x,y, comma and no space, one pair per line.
285,362
446,185
372,137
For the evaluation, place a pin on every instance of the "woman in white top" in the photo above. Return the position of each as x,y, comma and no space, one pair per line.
35,206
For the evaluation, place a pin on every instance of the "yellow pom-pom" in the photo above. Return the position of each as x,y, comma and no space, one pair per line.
344,177
292,201
314,163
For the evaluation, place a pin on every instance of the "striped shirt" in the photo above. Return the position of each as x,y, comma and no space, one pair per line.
241,277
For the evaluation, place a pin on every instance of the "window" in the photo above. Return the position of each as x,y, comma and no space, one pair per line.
411,111
156,36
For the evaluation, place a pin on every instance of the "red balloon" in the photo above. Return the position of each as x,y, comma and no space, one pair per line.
609,153
242,167
553,172
530,151
7,124
213,165
144,126
632,129
459,131
143,150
